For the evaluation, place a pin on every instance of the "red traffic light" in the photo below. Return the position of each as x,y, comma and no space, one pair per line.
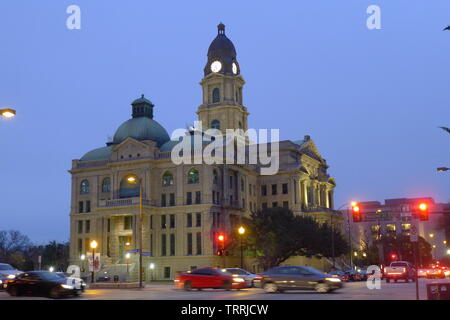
423,211
393,256
221,237
356,212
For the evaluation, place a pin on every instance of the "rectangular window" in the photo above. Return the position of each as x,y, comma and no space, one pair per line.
214,196
264,205
249,189
88,206
218,197
198,219
286,204
189,198
151,245
172,244
199,243
274,204
198,197
87,247
172,221
127,223
390,227
231,182
163,200
80,207
243,203
172,199
108,246
163,222
88,226
163,245
264,190
151,222
285,188
189,220
108,228
80,227
189,244
166,272
274,189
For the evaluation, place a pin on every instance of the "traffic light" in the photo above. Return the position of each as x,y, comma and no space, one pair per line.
220,244
393,256
356,212
423,211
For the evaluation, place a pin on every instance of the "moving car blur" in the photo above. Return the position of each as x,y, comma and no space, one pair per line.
246,275
285,278
41,283
7,272
78,283
213,278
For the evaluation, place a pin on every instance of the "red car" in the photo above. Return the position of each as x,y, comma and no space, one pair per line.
213,278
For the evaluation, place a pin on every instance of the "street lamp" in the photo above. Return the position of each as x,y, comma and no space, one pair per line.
241,233
82,258
51,269
7,113
448,251
431,235
93,247
127,257
135,180
152,267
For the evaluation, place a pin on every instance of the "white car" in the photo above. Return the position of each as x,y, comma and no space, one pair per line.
7,272
238,272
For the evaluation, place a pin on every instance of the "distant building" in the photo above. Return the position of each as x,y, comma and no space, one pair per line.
186,206
396,217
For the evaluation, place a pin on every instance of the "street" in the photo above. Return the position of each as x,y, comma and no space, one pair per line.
351,291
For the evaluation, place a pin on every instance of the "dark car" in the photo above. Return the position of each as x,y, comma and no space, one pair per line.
283,278
41,283
213,278
353,275
340,274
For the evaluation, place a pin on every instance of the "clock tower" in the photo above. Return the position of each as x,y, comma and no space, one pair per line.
222,85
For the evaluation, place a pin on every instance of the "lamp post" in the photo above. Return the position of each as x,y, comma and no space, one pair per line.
93,247
241,233
152,267
134,180
7,113
127,260
82,258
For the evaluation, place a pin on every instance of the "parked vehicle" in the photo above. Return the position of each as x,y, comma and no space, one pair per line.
238,272
400,270
422,273
7,272
340,274
353,275
435,273
213,278
284,278
78,283
41,283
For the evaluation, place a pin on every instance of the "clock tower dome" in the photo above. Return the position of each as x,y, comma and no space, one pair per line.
222,85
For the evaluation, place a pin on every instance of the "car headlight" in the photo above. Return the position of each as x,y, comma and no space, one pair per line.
65,286
10,276
1,281
238,279
333,279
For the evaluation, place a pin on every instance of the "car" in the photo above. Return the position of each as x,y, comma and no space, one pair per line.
7,272
208,277
435,273
78,283
422,273
284,278
353,275
400,270
41,283
340,274
246,275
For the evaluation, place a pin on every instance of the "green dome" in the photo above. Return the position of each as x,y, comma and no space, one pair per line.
97,154
141,128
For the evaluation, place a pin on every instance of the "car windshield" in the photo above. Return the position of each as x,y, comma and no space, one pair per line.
6,267
237,271
398,264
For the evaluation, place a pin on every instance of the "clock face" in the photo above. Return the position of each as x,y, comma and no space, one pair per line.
235,69
216,66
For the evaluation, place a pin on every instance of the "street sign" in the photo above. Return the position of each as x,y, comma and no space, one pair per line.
414,236
146,254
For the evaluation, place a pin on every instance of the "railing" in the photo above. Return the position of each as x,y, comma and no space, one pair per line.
124,203
321,209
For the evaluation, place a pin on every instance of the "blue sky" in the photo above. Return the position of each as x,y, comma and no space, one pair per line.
370,99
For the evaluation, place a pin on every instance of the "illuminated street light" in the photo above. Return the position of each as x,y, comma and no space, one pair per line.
444,242
431,235
93,245
8,113
448,251
51,269
241,232
83,257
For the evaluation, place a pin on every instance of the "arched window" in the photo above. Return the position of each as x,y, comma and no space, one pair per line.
216,95
84,187
215,124
106,185
128,189
193,176
167,179
215,177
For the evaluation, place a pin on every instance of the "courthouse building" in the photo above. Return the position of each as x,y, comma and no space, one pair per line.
185,206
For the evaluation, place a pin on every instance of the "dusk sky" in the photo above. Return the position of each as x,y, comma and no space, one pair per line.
372,100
